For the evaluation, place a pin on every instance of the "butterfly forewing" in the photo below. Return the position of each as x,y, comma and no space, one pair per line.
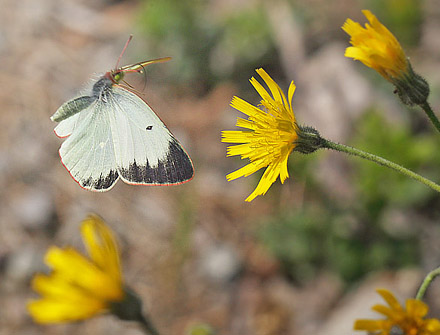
146,152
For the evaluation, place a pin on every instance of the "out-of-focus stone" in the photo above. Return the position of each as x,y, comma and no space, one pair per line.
33,207
220,263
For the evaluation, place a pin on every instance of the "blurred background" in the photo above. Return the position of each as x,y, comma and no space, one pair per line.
303,259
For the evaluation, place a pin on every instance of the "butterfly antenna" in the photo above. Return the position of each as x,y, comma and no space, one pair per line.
128,85
123,50
130,88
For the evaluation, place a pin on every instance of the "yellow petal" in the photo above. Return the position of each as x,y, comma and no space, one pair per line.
368,325
269,177
245,107
390,299
375,23
416,308
55,311
55,286
277,94
79,271
245,150
388,312
284,173
291,91
358,54
261,90
433,326
245,171
235,136
101,246
242,123
351,28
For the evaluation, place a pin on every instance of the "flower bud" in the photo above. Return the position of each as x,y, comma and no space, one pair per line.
411,88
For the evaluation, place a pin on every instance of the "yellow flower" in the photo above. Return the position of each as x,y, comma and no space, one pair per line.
80,287
376,47
270,136
399,320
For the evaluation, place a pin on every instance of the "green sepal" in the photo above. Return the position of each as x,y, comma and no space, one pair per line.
309,140
130,309
411,88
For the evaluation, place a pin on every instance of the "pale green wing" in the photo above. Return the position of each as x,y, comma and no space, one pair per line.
67,126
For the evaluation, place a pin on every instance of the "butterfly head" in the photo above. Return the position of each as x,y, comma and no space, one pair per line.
116,75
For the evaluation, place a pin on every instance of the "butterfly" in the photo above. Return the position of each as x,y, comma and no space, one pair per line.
112,133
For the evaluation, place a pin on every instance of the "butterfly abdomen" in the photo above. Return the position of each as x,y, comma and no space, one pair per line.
72,107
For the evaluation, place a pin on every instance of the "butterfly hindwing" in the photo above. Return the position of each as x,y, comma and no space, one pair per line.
145,150
88,152
67,126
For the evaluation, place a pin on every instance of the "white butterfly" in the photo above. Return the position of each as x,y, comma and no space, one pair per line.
112,133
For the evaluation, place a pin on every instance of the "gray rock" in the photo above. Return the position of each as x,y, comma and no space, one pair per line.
220,263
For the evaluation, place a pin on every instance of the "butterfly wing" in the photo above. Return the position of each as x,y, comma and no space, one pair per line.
145,150
69,115
88,152
67,126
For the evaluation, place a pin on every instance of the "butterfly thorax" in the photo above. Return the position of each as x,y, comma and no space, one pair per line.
103,87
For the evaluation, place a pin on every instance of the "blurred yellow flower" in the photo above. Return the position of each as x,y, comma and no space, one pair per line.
270,136
80,287
376,47
399,320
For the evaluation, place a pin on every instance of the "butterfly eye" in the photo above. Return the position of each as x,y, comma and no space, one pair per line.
118,76
149,128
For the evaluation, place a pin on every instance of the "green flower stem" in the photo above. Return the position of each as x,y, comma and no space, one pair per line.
379,160
428,110
426,282
147,325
